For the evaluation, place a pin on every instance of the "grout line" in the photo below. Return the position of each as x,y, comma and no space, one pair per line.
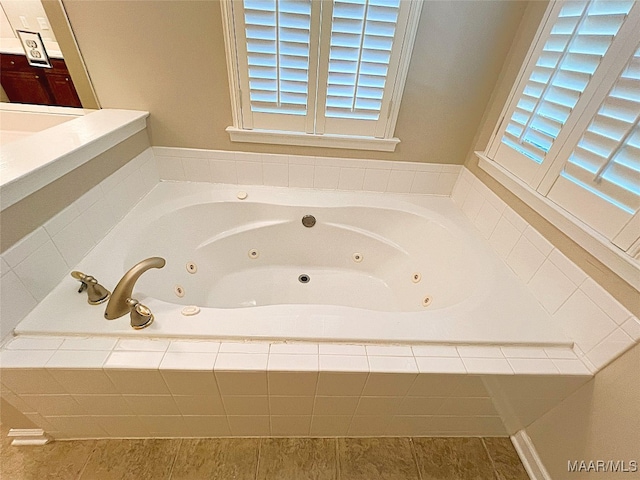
493,465
415,457
338,469
175,459
86,462
259,454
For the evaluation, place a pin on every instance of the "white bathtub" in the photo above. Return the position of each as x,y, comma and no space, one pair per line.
473,297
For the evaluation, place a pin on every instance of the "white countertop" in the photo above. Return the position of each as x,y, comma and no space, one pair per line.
28,164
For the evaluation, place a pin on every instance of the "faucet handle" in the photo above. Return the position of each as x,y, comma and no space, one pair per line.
96,293
141,315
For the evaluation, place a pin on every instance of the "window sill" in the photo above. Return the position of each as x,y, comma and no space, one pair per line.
351,142
594,243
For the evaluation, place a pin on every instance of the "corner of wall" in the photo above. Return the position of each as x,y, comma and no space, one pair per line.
598,422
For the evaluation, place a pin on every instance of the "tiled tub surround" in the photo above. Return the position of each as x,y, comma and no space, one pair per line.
600,327
102,386
324,173
105,387
37,263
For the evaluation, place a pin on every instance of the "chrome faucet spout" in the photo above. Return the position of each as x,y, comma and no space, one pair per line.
118,306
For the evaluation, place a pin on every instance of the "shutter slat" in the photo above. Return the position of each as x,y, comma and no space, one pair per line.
557,112
549,127
521,117
603,24
586,160
627,88
581,62
633,70
514,129
621,108
609,127
524,148
572,9
565,25
557,43
548,59
629,156
527,102
599,144
572,80
627,178
608,7
538,139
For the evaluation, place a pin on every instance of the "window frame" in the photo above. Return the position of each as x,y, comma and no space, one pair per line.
620,252
383,140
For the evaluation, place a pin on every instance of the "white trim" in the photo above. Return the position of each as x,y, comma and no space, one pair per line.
593,242
409,40
310,140
28,436
529,456
232,63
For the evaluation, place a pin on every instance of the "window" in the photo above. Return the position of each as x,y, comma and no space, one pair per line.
317,72
570,130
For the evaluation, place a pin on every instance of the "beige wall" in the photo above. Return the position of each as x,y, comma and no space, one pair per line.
168,57
600,421
616,286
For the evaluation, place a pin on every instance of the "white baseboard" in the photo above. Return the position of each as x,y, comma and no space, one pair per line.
28,436
529,456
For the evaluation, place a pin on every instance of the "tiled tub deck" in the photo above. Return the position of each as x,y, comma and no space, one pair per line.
102,387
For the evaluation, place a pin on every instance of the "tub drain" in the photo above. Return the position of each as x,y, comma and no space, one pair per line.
304,278
308,221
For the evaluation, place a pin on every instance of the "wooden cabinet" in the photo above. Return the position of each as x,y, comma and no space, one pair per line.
41,86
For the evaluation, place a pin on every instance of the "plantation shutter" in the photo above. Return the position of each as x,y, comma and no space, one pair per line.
572,50
359,65
320,67
360,50
600,182
279,51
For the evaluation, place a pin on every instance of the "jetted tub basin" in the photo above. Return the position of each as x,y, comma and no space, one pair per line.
373,268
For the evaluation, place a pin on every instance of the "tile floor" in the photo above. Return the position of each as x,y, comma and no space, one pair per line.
268,458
